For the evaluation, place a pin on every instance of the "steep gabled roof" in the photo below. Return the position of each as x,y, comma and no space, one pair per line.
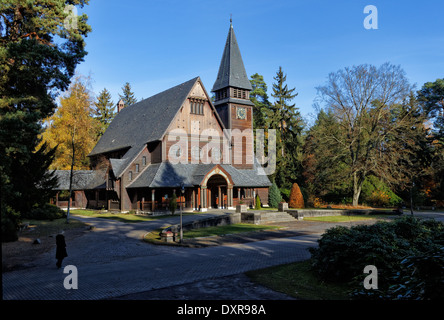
144,121
232,71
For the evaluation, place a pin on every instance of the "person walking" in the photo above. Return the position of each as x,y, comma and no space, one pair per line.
61,250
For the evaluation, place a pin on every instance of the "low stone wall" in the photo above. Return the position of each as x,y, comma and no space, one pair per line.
301,213
231,218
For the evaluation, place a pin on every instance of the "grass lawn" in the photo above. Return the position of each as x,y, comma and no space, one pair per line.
222,230
44,228
297,280
123,217
154,237
345,218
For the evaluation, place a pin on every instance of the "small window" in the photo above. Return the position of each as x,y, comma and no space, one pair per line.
197,107
137,167
130,175
143,161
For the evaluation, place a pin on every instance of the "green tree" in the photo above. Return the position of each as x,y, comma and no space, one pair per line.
325,169
258,204
127,95
431,99
286,119
366,102
173,203
259,97
38,56
104,110
274,196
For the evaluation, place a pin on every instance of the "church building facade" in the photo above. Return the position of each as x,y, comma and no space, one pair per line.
179,142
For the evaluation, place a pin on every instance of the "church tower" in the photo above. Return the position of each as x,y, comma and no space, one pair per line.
232,101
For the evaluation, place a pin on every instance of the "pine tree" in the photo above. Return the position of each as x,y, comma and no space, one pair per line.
286,119
104,110
274,196
127,96
38,56
259,97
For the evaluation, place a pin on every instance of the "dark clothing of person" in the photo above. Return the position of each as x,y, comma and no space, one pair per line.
61,250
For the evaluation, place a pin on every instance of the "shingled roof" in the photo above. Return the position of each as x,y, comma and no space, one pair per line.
144,121
81,179
165,175
232,71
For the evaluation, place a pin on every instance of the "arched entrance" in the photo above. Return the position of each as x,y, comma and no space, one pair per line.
217,189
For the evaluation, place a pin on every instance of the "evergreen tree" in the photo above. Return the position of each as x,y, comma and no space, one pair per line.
296,198
325,168
258,204
38,56
286,119
431,99
259,97
104,111
274,196
127,96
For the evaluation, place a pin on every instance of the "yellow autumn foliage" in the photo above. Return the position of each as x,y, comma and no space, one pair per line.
72,126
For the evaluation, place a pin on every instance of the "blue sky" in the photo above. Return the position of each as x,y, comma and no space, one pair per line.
155,45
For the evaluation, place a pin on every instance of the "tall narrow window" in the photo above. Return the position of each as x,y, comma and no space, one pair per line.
143,161
137,167
130,175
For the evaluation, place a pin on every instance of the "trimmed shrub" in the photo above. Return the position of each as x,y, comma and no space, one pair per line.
274,196
296,198
258,205
173,203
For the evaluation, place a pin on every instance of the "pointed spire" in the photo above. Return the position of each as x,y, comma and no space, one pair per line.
232,71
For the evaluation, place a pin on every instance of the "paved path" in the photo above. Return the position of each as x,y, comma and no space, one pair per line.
112,261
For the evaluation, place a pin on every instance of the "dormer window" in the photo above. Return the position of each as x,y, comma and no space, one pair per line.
143,161
137,167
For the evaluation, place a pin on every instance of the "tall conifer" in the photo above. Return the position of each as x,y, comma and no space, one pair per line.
40,45
104,110
128,97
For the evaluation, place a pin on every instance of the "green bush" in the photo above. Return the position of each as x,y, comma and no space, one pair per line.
10,223
344,252
45,212
376,193
173,203
274,196
258,205
285,193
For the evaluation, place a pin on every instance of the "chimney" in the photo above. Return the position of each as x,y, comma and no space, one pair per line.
120,105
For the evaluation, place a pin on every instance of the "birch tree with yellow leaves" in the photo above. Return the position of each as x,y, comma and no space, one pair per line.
72,130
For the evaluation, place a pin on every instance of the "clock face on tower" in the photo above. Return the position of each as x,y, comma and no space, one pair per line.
241,113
